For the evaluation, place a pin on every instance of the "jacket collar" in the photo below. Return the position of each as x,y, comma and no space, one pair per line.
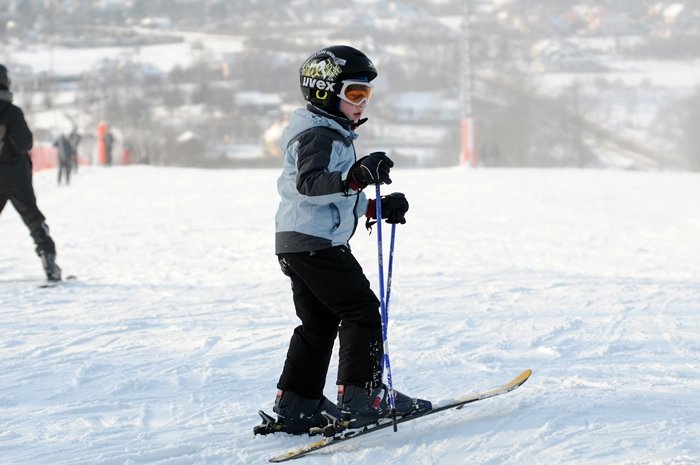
343,122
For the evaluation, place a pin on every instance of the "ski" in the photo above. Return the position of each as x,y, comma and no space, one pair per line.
48,284
387,423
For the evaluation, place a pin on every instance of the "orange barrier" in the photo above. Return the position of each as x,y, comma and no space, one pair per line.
101,147
468,145
126,156
44,157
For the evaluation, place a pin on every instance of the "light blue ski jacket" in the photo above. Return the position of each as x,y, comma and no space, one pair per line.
317,210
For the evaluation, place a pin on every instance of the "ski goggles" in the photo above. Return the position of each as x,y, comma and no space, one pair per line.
356,92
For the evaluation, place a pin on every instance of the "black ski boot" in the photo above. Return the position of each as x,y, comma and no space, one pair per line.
367,406
52,270
297,415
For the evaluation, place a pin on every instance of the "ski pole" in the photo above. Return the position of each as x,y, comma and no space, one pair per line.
384,314
391,267
392,399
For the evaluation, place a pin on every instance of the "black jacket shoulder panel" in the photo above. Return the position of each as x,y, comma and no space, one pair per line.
313,158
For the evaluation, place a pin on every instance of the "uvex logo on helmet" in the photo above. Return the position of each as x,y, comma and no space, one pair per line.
318,84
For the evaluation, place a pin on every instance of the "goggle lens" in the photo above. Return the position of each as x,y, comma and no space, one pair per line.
356,92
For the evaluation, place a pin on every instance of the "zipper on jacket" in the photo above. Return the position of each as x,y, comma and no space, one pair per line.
357,199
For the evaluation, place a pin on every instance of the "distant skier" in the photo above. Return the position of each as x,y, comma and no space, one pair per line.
321,203
74,138
109,145
66,155
16,176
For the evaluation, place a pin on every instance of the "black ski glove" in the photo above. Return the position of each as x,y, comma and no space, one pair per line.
372,169
394,208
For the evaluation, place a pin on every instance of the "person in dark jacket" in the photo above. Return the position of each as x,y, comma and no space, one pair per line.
75,138
16,176
321,204
66,156
109,145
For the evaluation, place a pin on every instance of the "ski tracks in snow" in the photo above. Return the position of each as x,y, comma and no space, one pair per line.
176,331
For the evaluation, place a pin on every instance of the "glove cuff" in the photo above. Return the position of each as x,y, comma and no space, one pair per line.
371,209
353,185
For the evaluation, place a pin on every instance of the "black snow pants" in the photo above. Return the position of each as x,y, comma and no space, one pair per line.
332,296
16,186
64,168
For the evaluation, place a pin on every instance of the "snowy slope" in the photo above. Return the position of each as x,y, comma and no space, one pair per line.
175,333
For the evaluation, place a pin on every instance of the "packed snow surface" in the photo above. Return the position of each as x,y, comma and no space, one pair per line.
175,331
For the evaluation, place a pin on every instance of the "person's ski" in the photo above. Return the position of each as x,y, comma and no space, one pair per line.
387,423
47,284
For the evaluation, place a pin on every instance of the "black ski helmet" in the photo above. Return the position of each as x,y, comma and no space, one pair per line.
321,74
4,78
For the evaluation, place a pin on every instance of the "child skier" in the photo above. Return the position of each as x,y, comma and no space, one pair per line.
321,203
16,176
